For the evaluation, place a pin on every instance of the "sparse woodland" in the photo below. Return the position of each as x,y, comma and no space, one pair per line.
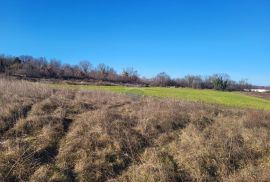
69,135
27,67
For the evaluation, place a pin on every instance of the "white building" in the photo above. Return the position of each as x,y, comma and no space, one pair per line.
260,90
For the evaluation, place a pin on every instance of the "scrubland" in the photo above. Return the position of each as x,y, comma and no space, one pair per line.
70,135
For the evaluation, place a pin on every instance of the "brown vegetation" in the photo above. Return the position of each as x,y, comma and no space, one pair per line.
258,94
64,135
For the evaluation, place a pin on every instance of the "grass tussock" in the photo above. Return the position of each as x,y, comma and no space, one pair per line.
224,150
69,135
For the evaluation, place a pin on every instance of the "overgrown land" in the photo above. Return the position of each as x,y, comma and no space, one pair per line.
51,134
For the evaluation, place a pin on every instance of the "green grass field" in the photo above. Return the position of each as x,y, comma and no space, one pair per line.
235,99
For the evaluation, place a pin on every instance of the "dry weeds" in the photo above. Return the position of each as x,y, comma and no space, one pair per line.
61,135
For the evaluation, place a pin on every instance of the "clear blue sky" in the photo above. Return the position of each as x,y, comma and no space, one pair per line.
176,36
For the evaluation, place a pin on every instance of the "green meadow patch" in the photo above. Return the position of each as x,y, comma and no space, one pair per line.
235,99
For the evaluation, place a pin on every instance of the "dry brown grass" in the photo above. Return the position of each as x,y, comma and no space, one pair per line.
258,94
61,135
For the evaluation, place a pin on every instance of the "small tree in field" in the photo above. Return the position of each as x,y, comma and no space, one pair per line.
220,81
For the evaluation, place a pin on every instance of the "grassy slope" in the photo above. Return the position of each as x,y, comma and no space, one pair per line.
210,96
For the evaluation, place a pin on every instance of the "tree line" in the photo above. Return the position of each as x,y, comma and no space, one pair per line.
30,67
216,81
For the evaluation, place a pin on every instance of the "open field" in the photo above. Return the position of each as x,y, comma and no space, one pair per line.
73,135
234,99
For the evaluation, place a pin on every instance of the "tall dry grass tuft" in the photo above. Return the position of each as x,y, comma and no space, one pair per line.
223,149
17,98
154,166
21,88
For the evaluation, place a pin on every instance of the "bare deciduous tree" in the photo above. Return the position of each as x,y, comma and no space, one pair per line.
130,75
162,79
85,66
